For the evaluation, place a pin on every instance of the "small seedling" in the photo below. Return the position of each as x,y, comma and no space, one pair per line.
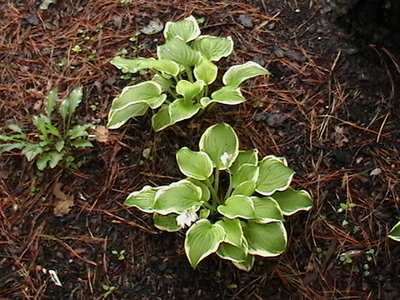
119,254
108,290
345,207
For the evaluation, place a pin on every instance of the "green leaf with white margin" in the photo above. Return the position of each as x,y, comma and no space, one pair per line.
179,52
394,234
212,47
274,176
202,239
206,71
194,164
143,199
69,104
205,192
225,95
246,265
245,157
136,64
232,253
266,210
237,74
164,82
188,89
161,119
292,201
246,188
50,102
186,29
221,143
181,109
178,197
237,207
245,173
233,231
119,117
166,223
265,240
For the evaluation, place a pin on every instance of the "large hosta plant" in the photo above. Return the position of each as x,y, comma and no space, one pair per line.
233,203
184,78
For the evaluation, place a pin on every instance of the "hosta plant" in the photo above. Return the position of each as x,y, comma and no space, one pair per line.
184,77
233,203
55,136
395,232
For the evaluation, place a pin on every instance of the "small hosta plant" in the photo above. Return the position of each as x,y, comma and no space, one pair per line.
395,232
55,138
184,77
233,204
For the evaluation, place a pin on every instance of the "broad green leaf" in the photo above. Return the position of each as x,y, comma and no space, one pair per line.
31,151
68,105
15,127
394,234
117,118
232,253
81,143
292,201
193,164
247,264
266,240
41,122
59,145
148,92
161,119
78,131
205,71
213,47
233,231
221,143
205,192
179,52
182,109
189,90
245,173
246,188
245,157
266,210
204,213
226,95
237,74
143,199
202,239
164,82
9,147
136,64
178,197
281,159
55,158
42,161
274,176
186,30
167,223
50,102
237,207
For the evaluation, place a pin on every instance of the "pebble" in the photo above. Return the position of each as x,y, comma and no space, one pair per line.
246,20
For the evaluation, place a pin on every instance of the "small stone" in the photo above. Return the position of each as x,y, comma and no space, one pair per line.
246,20
33,20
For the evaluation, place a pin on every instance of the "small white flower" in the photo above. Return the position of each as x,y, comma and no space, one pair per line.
186,218
225,158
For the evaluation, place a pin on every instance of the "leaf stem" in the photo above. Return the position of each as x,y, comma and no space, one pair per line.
214,194
229,191
189,73
216,181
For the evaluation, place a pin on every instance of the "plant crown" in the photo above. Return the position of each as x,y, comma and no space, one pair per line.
54,141
233,203
183,72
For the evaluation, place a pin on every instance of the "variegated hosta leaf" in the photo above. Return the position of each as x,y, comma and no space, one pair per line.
133,65
274,176
291,201
237,74
68,105
182,109
212,47
166,223
178,197
194,164
202,239
118,118
188,89
205,192
247,264
143,199
186,29
225,95
266,210
232,253
233,231
164,82
221,143
179,52
395,232
246,188
266,240
245,157
237,207
245,173
205,71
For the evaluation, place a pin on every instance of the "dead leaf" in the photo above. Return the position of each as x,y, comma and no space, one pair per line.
341,139
64,203
101,134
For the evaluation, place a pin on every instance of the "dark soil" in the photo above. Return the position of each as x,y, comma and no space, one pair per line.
330,107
